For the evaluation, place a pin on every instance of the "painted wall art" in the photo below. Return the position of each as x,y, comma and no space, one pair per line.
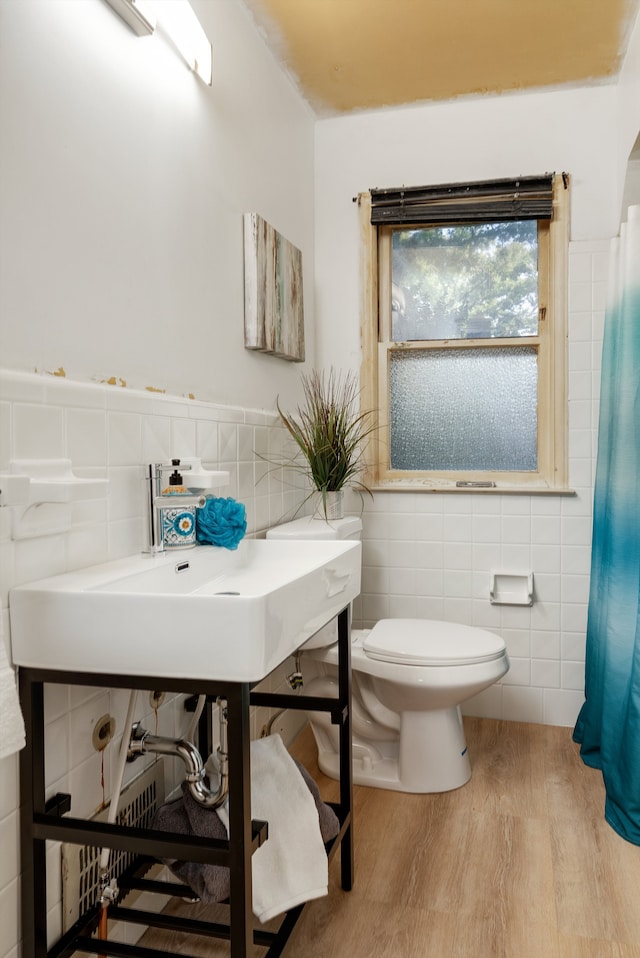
273,304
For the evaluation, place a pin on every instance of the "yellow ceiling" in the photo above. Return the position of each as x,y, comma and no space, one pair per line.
347,55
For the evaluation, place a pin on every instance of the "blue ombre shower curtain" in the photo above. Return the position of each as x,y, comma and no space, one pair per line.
608,727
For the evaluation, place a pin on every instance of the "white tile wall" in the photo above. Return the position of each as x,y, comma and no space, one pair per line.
110,432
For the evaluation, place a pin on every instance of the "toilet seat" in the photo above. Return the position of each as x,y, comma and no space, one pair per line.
431,643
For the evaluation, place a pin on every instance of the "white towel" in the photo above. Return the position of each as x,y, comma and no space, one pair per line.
12,737
291,867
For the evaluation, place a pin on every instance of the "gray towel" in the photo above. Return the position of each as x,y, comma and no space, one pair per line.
184,816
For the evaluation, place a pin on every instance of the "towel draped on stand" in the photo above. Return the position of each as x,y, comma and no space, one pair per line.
12,736
291,866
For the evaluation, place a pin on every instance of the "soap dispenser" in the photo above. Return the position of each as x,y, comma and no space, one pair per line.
179,523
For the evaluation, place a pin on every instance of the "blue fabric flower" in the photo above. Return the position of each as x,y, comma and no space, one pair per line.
221,522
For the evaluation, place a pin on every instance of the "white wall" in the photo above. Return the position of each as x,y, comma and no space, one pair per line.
122,188
432,555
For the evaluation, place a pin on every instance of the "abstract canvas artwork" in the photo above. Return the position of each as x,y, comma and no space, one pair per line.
273,304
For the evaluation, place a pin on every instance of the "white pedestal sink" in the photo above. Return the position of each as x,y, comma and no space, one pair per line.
206,613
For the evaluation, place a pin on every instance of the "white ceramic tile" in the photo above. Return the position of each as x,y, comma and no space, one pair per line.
486,616
457,528
457,584
573,675
228,442
518,644
515,556
375,580
56,742
485,556
406,555
546,616
183,439
574,617
430,582
8,785
521,704
125,439
545,645
56,700
9,916
487,704
246,480
85,782
207,442
87,546
561,707
515,529
38,432
579,296
156,439
545,530
546,558
86,437
519,671
429,607
127,492
573,645
82,721
545,673
38,558
125,538
580,356
580,267
7,566
547,588
402,582
67,392
5,435
22,387
54,872
457,555
122,400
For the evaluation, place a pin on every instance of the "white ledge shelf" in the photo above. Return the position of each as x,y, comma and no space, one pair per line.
41,493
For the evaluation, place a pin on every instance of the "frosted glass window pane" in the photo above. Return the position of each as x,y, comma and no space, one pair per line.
464,409
478,281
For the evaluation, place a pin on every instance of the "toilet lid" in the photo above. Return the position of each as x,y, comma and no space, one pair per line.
428,642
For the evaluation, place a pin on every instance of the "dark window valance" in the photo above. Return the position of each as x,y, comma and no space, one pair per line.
526,198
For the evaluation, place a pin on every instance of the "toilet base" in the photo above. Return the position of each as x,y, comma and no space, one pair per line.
430,754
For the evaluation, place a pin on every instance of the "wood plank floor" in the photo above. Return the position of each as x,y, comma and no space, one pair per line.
519,863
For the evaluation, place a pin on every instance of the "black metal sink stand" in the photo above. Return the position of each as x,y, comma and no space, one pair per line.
42,820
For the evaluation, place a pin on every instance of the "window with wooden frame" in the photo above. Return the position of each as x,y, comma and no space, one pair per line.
464,334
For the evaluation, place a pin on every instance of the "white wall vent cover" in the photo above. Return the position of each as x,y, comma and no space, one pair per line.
81,863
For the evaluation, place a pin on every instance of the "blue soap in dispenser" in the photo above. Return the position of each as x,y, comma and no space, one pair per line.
179,524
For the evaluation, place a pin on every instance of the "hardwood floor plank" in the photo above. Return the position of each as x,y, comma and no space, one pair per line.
597,877
519,863
590,948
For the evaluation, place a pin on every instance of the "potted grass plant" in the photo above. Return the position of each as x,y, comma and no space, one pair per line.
329,430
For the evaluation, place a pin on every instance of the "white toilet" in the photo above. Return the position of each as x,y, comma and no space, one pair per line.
409,678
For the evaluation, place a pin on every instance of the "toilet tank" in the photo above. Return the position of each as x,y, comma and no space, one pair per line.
310,527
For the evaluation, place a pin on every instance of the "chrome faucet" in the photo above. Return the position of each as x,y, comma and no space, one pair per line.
157,502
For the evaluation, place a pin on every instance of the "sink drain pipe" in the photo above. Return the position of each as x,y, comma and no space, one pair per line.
142,741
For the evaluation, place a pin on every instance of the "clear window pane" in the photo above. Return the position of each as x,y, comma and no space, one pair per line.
464,409
465,282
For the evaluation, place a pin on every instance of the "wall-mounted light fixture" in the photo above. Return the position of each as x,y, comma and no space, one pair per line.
137,13
178,21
